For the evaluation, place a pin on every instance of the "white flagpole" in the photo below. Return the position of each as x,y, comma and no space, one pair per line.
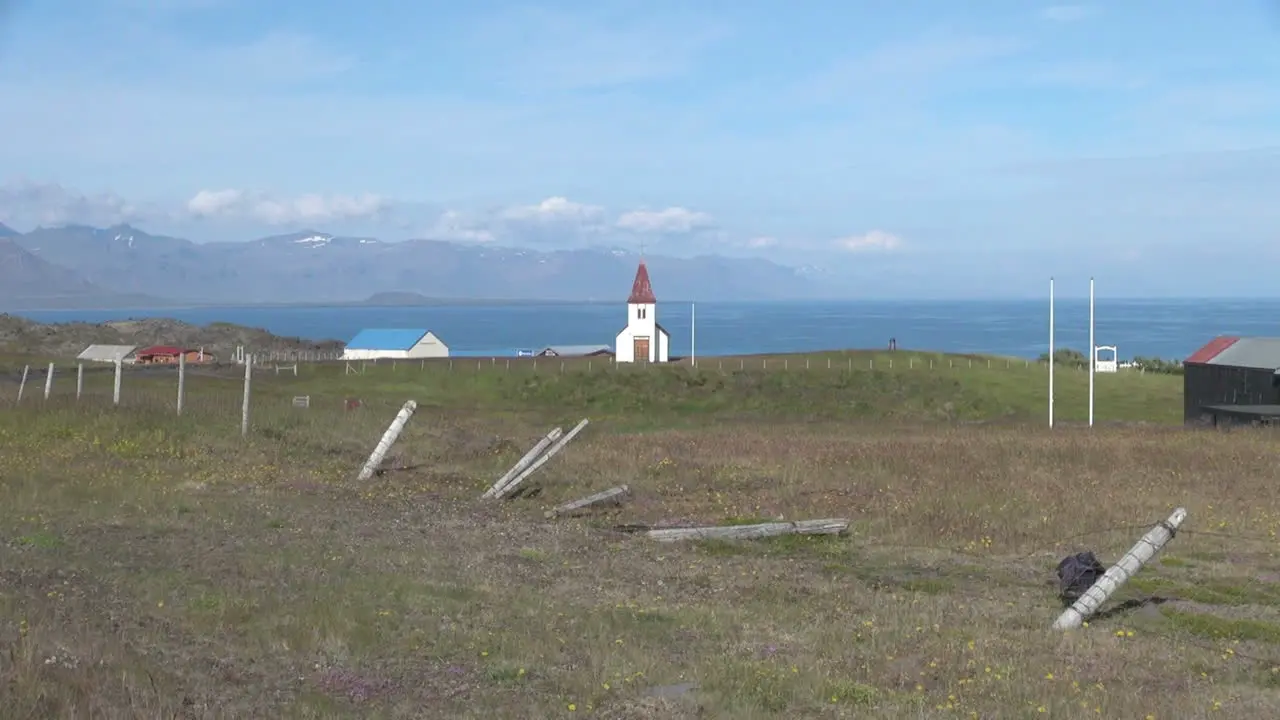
1093,352
1050,352
693,333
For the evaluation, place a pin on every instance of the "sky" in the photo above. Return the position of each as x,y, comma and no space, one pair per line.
966,149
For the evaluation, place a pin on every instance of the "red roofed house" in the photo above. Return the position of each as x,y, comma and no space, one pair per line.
1232,380
643,339
168,354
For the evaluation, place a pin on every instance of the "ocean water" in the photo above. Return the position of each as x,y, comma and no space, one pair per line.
1163,328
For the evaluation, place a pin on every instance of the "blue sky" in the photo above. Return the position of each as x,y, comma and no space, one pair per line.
970,149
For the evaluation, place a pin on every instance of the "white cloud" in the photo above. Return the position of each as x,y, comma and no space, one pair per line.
555,210
26,204
1066,13
669,221
455,226
555,222
246,205
874,241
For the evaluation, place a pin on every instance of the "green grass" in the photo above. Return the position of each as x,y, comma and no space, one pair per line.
153,565
882,387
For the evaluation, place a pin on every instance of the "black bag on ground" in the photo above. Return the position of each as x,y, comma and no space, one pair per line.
1076,574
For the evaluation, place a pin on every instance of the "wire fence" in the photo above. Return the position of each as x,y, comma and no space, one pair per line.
216,397
218,388
32,378
885,361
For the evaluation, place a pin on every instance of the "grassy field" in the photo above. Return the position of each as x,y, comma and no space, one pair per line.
161,566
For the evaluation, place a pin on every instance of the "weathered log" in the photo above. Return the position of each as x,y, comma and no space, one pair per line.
388,438
522,463
832,526
612,494
551,452
1139,555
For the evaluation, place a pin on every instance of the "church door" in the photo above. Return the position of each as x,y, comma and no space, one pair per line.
641,347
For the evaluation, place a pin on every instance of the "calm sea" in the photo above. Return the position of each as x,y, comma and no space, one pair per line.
1161,328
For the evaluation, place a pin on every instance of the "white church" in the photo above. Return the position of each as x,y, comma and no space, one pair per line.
643,339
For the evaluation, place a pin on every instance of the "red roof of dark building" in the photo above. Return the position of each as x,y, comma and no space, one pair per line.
1212,349
642,289
161,350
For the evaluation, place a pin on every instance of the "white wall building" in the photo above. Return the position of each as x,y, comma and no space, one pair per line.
643,339
394,344
108,353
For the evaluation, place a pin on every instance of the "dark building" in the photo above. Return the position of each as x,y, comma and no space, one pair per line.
1232,380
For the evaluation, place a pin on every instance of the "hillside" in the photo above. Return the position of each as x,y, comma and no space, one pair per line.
312,266
24,275
19,336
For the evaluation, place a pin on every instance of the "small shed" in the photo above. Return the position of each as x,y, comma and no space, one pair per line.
396,343
169,355
107,353
1232,380
575,351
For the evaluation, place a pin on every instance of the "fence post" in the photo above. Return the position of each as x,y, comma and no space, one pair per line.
115,392
48,382
388,439
244,405
1140,554
182,379
23,384
79,380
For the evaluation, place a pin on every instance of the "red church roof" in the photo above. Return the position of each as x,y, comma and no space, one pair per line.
642,289
161,350
1212,349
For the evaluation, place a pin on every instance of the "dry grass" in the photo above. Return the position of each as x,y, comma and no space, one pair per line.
168,568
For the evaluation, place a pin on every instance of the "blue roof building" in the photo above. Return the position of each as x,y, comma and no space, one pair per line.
394,343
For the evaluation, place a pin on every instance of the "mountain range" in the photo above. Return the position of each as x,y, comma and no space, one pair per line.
82,266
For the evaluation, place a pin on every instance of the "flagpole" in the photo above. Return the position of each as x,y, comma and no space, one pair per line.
1093,353
1051,352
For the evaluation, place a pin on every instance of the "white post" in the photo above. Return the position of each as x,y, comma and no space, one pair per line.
23,384
79,379
182,380
559,445
388,439
524,462
1115,576
1093,352
1050,352
48,382
693,333
115,392
244,405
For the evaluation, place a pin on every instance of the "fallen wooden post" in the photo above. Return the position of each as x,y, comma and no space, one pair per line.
831,526
551,452
614,494
388,439
523,463
22,385
1118,574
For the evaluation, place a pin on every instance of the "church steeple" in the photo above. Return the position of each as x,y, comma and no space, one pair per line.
642,289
